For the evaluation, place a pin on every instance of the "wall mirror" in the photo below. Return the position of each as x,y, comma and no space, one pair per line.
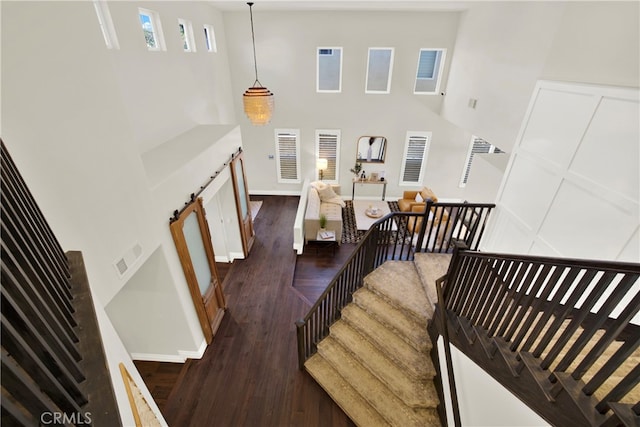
371,149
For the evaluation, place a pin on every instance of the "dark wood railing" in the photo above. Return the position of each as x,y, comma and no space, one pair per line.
441,326
52,359
395,237
567,322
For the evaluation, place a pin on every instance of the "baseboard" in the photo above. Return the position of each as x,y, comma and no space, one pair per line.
236,255
275,193
181,357
195,354
150,357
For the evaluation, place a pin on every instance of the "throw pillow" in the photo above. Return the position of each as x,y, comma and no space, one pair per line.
318,185
419,198
327,195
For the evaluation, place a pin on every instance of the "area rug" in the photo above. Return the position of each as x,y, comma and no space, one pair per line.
255,206
350,234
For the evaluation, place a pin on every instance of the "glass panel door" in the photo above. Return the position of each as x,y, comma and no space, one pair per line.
192,238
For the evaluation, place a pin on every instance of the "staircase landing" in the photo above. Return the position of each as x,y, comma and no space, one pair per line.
376,364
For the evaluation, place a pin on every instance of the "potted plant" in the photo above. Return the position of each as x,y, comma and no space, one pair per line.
356,169
323,221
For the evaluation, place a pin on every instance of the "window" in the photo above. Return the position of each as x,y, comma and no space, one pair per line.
380,64
186,35
414,158
477,146
106,24
152,29
329,69
287,158
328,147
430,65
210,38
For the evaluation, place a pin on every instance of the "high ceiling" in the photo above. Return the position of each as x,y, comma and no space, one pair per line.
310,5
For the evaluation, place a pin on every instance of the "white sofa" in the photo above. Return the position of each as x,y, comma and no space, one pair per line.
323,199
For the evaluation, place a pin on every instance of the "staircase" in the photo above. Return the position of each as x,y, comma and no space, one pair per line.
375,363
557,332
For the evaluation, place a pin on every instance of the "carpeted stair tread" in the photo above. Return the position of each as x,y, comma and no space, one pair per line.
407,327
368,386
351,402
398,282
430,268
387,341
413,392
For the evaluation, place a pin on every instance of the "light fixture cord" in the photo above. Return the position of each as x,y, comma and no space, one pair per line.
253,39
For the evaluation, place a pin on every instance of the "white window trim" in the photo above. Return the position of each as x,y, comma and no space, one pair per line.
443,57
188,35
210,36
295,132
106,24
425,154
156,25
318,69
366,82
337,133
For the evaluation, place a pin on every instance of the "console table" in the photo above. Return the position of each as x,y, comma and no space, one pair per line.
378,182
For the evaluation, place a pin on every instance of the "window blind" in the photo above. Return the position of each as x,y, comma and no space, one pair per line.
287,156
415,153
327,144
478,146
427,64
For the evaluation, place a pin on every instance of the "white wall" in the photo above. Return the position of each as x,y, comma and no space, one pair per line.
500,52
572,185
81,122
116,353
482,400
610,183
608,28
286,45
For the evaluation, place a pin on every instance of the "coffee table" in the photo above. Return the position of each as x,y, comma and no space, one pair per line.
364,221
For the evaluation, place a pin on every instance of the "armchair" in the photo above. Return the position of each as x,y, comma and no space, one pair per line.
409,202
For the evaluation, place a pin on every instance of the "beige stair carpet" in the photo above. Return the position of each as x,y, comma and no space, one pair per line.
430,268
375,363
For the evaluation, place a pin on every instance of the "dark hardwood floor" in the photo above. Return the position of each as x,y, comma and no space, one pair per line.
249,375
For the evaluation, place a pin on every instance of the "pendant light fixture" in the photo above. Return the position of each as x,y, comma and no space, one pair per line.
257,100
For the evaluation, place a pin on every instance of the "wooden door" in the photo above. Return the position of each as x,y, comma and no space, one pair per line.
242,202
192,238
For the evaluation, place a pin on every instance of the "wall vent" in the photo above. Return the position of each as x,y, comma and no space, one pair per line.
128,260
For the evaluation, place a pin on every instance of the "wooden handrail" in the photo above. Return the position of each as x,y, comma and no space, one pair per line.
393,237
53,365
568,319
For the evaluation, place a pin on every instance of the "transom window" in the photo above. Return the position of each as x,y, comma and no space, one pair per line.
329,72
152,29
210,38
379,67
106,24
430,65
186,35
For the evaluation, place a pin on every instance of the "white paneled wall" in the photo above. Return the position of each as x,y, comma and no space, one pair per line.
571,188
